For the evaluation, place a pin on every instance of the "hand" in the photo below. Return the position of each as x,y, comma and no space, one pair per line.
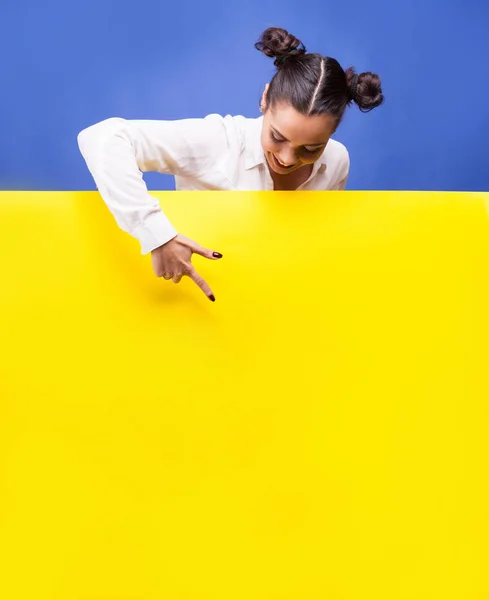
173,261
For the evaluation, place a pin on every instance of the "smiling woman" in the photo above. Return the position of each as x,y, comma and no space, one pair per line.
288,148
304,104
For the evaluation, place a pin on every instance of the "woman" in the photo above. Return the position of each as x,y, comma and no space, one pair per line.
288,148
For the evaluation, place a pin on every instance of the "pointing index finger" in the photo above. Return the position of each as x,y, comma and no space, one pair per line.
202,283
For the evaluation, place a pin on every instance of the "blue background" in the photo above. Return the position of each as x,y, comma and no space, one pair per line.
67,65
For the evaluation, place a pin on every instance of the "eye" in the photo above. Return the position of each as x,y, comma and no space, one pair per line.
275,139
312,151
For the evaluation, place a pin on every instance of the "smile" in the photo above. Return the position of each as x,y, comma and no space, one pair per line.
280,165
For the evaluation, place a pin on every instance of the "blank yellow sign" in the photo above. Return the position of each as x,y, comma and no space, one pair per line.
319,432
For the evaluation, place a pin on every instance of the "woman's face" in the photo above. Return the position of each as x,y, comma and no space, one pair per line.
291,140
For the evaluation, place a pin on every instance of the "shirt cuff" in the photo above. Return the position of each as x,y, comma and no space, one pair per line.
154,232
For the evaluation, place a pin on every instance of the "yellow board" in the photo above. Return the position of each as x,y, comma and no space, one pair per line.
319,432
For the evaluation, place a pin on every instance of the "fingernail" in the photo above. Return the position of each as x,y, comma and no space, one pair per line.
212,298
217,255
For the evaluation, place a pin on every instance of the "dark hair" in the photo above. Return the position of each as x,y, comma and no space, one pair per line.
314,84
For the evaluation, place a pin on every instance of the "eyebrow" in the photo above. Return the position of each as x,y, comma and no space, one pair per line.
283,136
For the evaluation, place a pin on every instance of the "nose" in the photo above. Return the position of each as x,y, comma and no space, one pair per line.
287,157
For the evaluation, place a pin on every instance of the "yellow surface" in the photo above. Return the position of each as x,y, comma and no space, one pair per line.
320,432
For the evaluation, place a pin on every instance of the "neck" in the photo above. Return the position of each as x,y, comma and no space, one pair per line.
290,181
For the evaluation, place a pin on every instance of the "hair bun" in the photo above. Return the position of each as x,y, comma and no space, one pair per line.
365,89
279,44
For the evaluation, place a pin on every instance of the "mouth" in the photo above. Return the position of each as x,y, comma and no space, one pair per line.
277,165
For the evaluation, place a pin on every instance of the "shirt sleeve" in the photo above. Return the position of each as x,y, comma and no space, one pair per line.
118,151
343,168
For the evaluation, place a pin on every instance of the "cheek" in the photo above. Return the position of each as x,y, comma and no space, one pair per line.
308,159
267,144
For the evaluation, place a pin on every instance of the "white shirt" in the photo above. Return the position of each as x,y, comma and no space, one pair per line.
214,153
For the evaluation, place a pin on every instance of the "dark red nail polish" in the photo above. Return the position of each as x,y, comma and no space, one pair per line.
217,255
211,298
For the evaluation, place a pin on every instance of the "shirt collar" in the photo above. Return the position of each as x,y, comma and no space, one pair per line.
254,150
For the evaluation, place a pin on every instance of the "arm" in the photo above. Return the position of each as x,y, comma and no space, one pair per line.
118,151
